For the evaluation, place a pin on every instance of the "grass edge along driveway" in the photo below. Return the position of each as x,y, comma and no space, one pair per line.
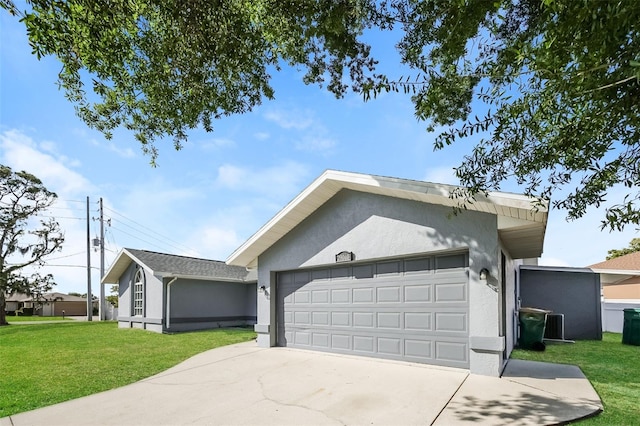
44,364
611,367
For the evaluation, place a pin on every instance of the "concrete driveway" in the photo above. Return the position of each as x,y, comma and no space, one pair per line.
246,385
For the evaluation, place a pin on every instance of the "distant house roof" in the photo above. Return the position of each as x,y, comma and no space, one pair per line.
49,297
618,269
171,265
55,297
521,228
15,297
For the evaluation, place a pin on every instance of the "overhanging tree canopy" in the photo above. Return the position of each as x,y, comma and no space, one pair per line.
556,82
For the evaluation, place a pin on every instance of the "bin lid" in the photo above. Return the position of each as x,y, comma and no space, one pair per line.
631,310
535,311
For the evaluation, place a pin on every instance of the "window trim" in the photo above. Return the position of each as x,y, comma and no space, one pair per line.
138,293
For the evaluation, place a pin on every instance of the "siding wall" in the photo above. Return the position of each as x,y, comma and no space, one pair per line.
574,293
197,304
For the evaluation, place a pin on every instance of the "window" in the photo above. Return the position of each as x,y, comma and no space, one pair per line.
138,293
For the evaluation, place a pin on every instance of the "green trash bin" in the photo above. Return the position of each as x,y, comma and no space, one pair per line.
631,327
532,324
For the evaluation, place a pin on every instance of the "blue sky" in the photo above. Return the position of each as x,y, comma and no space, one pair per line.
206,199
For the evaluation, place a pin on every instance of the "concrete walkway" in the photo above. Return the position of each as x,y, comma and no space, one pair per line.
246,385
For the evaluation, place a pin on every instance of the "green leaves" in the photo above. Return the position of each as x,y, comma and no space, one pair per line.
553,85
160,68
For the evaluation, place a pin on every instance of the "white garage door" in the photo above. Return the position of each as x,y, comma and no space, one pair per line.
413,309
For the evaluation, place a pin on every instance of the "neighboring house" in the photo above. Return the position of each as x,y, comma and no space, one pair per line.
381,267
47,304
13,302
620,276
620,279
167,293
58,304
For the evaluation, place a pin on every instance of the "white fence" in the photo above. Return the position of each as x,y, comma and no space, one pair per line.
613,315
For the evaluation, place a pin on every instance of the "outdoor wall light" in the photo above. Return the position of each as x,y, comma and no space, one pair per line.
263,288
484,274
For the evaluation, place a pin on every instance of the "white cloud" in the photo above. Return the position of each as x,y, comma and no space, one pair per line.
215,242
20,152
217,143
443,174
262,136
291,119
316,143
111,146
277,181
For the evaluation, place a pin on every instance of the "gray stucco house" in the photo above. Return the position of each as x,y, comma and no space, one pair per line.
168,293
381,267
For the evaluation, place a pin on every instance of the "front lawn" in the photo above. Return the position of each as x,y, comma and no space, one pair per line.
43,364
612,368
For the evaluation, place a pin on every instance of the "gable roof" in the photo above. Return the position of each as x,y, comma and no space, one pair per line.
520,227
618,269
170,265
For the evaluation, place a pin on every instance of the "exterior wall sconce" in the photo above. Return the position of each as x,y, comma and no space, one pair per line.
484,274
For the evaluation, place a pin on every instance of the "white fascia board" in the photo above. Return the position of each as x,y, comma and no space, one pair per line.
616,271
200,278
117,268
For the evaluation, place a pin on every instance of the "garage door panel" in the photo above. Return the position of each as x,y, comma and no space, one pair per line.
418,293
451,322
364,344
341,319
363,295
421,349
340,296
452,351
388,294
455,292
401,309
341,341
364,319
421,321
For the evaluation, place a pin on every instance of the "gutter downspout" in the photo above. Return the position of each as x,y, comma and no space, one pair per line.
169,301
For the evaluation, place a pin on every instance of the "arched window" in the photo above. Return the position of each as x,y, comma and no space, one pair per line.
138,293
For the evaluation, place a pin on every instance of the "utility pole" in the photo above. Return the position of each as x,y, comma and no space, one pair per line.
101,309
89,301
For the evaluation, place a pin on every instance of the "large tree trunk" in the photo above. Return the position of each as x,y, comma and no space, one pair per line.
3,303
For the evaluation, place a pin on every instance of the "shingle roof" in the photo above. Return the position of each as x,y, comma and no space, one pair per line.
629,261
169,265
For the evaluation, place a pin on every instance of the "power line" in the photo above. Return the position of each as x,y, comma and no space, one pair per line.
138,238
59,217
68,255
176,244
164,243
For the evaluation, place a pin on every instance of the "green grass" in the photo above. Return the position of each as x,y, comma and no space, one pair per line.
612,368
43,364
11,319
